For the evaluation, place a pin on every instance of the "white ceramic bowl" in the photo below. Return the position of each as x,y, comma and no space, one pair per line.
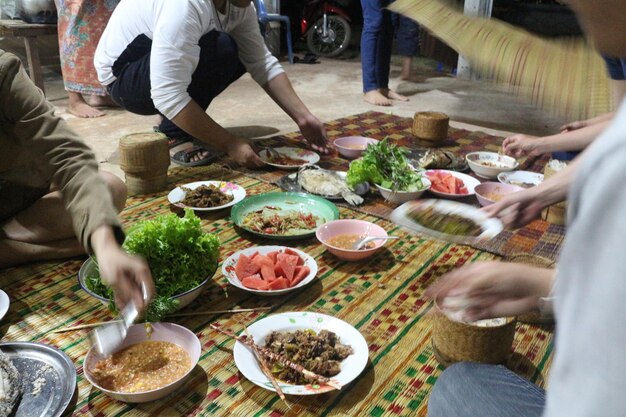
228,268
353,147
399,197
184,299
163,332
499,163
351,227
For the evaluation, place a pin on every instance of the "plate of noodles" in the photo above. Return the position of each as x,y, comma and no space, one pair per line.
207,195
283,215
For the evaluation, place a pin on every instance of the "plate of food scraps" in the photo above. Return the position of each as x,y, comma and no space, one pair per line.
207,195
525,179
447,220
46,378
289,157
285,335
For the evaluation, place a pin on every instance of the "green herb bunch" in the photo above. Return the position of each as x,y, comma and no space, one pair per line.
387,165
180,256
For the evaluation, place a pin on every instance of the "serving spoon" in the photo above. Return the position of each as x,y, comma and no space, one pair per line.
361,242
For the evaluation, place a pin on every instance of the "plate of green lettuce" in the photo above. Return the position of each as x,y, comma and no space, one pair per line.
181,256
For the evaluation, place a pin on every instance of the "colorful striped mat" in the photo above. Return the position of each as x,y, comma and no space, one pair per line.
539,238
383,298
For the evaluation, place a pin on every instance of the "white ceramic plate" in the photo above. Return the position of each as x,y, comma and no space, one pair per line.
525,179
351,367
491,227
4,304
177,195
298,153
469,182
228,268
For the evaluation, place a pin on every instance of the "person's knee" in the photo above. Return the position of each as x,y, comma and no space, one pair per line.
446,398
117,188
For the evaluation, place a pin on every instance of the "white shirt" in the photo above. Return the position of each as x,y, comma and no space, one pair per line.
175,26
588,377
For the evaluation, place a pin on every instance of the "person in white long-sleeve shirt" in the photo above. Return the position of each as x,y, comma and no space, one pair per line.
588,289
172,57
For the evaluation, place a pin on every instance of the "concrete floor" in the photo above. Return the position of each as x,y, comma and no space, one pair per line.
331,89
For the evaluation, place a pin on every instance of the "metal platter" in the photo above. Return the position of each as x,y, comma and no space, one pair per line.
48,378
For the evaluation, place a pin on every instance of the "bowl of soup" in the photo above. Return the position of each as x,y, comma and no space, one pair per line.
340,235
353,147
147,366
489,192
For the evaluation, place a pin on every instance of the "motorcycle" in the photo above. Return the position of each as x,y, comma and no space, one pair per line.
326,26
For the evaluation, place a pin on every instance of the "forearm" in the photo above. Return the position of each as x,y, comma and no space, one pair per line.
193,120
281,91
601,118
574,140
555,188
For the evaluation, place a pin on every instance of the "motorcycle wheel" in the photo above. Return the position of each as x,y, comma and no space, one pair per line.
336,40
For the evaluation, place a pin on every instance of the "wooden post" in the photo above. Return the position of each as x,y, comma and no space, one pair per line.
472,8
34,63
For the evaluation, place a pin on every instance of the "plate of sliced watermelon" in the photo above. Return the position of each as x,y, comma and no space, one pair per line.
451,184
269,270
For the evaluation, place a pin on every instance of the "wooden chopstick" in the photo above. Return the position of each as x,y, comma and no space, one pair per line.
199,313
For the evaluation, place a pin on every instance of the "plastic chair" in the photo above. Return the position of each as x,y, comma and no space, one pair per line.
265,17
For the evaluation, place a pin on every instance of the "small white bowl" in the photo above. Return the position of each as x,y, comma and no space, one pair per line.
163,332
399,197
501,163
353,147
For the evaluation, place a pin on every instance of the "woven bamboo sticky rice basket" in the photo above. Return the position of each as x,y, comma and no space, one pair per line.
430,126
455,341
144,158
556,213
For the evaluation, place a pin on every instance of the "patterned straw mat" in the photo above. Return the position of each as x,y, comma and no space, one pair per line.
539,238
383,298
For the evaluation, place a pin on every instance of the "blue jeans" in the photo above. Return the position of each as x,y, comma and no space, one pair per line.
376,43
218,67
471,390
407,35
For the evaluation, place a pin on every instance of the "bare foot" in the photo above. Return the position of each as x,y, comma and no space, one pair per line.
79,107
390,94
102,101
405,74
376,98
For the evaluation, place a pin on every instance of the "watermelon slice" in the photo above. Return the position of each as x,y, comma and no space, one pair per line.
279,284
288,264
261,260
272,255
245,267
255,282
293,252
300,275
267,273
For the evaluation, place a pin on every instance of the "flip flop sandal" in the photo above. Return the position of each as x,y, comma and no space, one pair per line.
182,152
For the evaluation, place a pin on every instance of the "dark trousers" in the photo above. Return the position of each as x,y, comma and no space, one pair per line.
218,67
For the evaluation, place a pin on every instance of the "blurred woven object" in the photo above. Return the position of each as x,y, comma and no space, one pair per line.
564,76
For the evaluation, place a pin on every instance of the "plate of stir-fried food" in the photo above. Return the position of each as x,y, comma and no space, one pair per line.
288,157
304,353
207,195
283,215
447,220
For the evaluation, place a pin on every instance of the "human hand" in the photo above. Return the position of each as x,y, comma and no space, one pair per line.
315,134
517,209
573,126
127,275
521,145
242,154
492,289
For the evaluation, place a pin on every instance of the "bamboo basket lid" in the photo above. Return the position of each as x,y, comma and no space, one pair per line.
556,213
430,126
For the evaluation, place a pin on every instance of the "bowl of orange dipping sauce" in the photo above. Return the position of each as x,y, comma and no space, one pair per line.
490,192
145,367
352,147
339,235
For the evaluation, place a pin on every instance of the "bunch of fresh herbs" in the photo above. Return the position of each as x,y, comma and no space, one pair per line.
387,165
180,256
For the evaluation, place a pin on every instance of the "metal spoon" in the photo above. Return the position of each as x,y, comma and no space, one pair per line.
361,242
